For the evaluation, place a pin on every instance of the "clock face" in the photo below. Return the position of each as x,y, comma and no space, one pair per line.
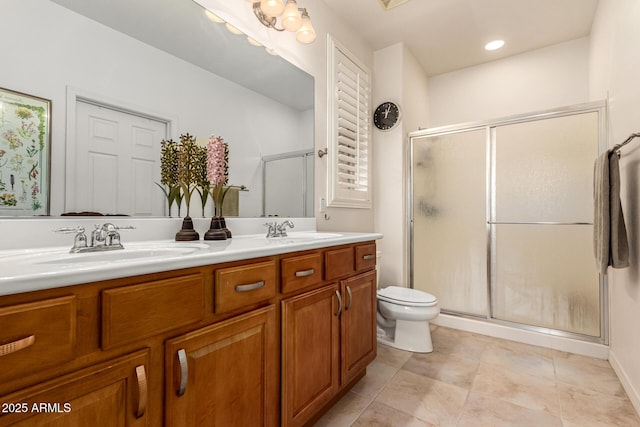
386,116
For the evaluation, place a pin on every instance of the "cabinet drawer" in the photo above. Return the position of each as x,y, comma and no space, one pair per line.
139,311
338,263
37,335
300,272
236,287
365,256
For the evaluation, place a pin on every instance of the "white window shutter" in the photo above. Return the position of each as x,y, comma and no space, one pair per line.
349,174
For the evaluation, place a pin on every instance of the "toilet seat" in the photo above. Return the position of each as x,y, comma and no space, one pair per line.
406,296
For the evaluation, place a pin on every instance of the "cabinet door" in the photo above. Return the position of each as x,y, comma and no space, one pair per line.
225,374
358,327
310,353
110,394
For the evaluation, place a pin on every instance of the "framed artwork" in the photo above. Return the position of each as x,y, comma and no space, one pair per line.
25,154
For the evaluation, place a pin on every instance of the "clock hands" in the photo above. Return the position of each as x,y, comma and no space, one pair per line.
386,112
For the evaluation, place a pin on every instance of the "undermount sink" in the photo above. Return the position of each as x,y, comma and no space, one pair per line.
131,252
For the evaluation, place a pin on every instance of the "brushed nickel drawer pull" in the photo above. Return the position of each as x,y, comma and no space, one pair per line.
339,303
141,375
250,287
17,345
184,371
350,299
305,273
368,257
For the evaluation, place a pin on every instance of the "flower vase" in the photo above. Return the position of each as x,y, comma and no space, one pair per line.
216,230
224,227
187,233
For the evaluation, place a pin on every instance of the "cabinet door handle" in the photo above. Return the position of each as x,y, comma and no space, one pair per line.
17,345
250,286
305,273
350,299
339,303
141,375
368,257
184,371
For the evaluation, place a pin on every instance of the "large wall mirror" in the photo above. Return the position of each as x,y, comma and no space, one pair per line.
143,71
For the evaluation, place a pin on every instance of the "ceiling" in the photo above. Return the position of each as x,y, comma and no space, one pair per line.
446,35
181,28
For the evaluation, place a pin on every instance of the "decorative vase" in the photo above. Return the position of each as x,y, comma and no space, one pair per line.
187,233
216,230
224,227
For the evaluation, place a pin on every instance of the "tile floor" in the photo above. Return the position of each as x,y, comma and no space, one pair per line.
475,380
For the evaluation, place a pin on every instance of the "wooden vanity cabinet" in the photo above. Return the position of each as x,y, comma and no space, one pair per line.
263,342
225,374
328,336
310,353
114,393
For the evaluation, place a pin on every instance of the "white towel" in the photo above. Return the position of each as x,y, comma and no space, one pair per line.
610,244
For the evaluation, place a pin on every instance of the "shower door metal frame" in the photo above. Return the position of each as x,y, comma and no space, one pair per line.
599,107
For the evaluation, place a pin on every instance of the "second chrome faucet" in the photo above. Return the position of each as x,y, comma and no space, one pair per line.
278,230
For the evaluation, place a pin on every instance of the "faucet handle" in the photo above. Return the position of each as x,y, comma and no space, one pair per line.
79,242
125,227
68,230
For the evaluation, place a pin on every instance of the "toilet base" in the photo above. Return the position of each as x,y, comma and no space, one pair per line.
409,335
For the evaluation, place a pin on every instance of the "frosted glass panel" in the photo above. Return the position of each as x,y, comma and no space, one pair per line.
545,276
449,211
284,187
544,169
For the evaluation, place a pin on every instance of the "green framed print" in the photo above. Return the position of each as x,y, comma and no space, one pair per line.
25,154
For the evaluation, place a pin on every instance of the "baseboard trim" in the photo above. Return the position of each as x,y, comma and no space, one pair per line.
633,394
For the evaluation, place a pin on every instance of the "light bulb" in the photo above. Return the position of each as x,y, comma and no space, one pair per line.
272,8
306,34
291,19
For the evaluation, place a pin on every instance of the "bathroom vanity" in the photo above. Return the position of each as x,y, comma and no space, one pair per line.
270,333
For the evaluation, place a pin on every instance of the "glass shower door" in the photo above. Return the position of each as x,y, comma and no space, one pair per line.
449,185
542,267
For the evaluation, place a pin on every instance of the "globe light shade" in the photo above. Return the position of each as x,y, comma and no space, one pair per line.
306,34
291,19
272,8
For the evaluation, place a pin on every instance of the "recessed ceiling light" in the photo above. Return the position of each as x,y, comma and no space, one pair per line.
496,44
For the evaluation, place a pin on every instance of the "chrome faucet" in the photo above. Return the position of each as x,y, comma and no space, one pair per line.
281,228
277,230
103,238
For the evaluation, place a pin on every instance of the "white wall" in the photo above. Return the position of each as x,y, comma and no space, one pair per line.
546,78
313,59
398,78
62,48
615,70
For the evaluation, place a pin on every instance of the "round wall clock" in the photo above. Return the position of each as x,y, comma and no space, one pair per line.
386,116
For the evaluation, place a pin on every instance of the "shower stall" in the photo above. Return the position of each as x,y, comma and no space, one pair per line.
501,220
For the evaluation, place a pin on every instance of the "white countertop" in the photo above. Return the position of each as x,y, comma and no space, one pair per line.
24,270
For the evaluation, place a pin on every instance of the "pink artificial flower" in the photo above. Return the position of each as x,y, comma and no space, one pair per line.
216,161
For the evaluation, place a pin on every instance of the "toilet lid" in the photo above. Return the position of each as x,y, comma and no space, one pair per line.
406,296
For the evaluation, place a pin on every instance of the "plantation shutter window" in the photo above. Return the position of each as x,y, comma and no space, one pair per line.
349,139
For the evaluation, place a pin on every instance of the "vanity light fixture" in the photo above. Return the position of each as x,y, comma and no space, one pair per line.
494,45
292,18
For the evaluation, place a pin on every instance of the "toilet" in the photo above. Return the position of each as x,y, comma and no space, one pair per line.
403,318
